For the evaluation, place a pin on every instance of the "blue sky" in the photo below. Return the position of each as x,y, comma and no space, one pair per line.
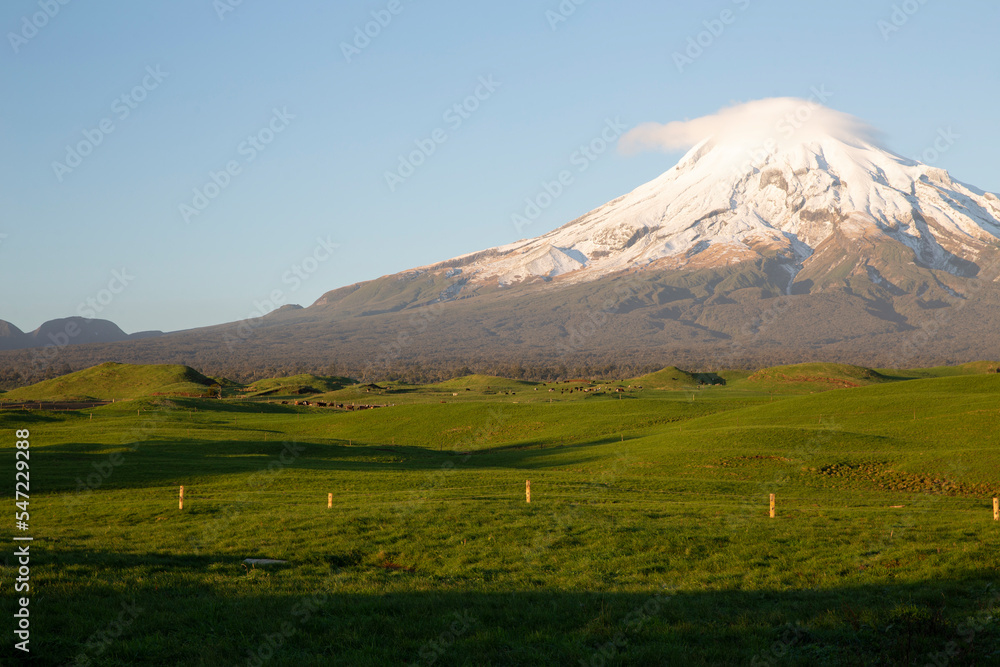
164,95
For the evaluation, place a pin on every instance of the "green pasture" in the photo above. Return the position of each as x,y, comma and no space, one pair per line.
647,539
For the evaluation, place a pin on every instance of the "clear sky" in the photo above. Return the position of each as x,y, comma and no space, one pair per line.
114,113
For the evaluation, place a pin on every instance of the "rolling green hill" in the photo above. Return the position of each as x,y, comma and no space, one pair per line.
814,377
482,383
672,377
116,381
297,384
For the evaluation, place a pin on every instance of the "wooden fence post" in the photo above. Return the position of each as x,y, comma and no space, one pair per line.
180,503
329,500
772,505
996,509
527,490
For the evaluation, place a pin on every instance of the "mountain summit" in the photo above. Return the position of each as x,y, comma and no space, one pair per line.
786,232
760,188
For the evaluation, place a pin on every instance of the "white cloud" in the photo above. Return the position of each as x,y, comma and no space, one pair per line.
781,119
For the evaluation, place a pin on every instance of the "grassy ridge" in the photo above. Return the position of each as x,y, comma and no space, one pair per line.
116,381
670,377
815,377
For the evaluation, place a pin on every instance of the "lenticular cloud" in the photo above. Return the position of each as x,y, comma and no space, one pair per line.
779,119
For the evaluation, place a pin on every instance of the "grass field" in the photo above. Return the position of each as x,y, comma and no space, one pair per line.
647,539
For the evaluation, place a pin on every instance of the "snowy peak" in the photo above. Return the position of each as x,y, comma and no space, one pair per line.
766,183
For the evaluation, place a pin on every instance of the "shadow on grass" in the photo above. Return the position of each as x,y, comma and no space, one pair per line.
18,419
211,610
63,467
207,406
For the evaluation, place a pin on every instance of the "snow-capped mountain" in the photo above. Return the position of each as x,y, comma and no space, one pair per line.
786,233
743,196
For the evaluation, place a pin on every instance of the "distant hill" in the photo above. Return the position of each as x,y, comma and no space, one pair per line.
971,368
672,377
297,384
77,331
816,377
67,331
12,338
116,381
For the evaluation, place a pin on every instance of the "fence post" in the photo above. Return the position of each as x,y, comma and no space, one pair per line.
527,490
329,500
180,503
772,505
